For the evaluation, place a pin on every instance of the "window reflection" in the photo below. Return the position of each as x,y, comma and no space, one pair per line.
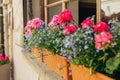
110,9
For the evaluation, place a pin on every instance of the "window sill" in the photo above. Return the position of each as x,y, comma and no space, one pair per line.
40,67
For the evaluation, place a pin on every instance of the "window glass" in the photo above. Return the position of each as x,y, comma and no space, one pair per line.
52,1
54,11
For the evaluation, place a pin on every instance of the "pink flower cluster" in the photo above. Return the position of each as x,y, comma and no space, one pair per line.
102,37
101,26
65,16
2,57
32,24
69,29
54,22
87,23
62,20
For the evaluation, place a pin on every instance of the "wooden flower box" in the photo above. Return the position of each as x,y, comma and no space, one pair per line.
57,63
82,73
36,53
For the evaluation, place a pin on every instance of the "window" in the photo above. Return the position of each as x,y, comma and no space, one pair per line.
53,7
45,9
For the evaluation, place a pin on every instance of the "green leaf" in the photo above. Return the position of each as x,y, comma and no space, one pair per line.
112,64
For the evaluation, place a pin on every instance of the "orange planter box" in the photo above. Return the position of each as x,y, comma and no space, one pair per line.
57,63
82,73
35,52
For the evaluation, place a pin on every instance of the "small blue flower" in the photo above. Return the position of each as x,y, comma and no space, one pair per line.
27,48
86,47
63,54
70,57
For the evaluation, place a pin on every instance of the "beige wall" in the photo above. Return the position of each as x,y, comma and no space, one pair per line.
22,69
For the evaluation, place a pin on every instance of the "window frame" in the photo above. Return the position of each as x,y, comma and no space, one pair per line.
46,6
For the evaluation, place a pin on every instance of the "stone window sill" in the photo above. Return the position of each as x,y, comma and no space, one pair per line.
41,68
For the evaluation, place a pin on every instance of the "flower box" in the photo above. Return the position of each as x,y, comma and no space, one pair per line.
36,53
82,73
94,45
57,63
5,72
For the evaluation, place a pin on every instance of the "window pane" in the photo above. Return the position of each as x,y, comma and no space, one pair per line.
74,9
110,9
52,1
36,9
54,11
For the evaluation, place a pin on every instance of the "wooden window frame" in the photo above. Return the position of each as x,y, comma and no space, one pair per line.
98,10
63,2
46,6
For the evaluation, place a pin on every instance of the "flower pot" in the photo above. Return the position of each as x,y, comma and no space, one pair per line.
82,73
57,63
36,53
5,72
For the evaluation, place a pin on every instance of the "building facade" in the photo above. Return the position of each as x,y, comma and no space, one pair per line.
17,12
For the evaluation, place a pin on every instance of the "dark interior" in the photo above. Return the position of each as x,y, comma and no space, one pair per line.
86,10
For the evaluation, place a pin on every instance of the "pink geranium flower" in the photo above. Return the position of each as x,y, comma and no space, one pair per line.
65,16
54,21
28,29
100,27
29,22
36,22
32,24
7,58
106,37
1,57
87,23
69,29
98,38
28,32
98,45
102,39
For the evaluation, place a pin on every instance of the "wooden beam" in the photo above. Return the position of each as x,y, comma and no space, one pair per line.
63,5
56,3
87,5
98,10
46,15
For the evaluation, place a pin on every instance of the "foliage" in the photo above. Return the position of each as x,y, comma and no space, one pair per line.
48,38
113,62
